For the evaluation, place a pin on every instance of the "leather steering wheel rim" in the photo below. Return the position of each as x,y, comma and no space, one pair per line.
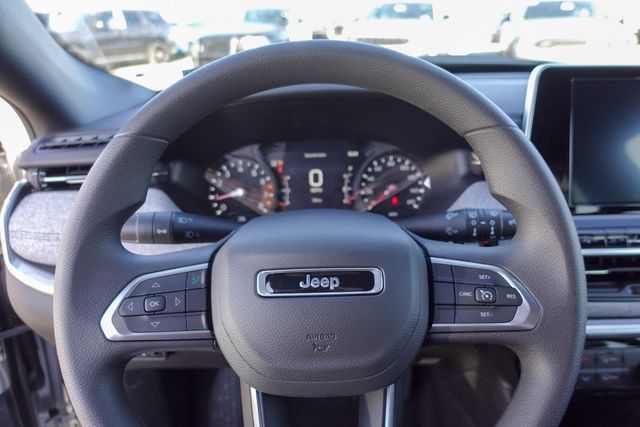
93,266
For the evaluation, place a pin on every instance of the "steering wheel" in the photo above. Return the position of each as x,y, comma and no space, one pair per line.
371,279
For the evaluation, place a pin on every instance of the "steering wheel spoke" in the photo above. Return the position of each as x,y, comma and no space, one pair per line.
379,408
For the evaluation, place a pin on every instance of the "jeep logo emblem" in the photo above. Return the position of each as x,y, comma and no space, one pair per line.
325,282
320,282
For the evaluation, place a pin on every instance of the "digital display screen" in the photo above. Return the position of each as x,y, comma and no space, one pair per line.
314,174
605,142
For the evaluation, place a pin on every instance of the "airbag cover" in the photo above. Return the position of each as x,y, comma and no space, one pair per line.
326,345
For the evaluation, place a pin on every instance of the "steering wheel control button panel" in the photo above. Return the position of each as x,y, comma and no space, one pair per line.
164,305
479,297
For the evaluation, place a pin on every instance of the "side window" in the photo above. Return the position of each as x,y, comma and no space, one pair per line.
133,18
14,138
102,21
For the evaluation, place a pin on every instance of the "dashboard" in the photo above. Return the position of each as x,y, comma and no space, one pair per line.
326,146
281,176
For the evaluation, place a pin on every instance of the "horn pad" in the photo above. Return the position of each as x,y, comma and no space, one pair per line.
320,303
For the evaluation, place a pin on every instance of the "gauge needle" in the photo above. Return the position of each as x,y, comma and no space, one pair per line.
248,197
390,190
238,192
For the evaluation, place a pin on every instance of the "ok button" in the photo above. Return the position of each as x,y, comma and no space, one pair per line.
153,304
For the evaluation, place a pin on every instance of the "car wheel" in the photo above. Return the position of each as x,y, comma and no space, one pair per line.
158,53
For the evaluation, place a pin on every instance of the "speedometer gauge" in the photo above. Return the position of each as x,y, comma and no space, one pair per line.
240,189
391,184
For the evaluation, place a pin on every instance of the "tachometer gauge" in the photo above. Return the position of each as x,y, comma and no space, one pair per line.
391,184
240,189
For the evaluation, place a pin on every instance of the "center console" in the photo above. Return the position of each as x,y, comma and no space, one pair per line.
585,123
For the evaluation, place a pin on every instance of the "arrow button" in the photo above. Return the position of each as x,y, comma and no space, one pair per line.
157,323
158,285
132,307
175,302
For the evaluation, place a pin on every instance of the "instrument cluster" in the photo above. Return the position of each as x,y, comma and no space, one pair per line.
282,176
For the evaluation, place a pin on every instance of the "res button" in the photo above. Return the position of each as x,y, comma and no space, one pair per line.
508,296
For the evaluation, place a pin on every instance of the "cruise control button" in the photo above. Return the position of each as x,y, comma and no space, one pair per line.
196,279
197,300
443,293
157,323
488,314
508,296
444,314
485,295
153,304
197,322
175,302
477,276
158,285
442,273
465,295
132,307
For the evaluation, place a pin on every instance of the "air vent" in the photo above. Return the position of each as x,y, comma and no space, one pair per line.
72,176
612,263
75,141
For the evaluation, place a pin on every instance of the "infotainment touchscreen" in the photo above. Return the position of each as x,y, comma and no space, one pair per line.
604,142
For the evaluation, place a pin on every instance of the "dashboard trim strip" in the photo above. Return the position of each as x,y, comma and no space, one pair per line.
530,99
609,328
611,251
26,273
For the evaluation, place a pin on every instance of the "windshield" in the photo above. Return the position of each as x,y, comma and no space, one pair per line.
154,43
